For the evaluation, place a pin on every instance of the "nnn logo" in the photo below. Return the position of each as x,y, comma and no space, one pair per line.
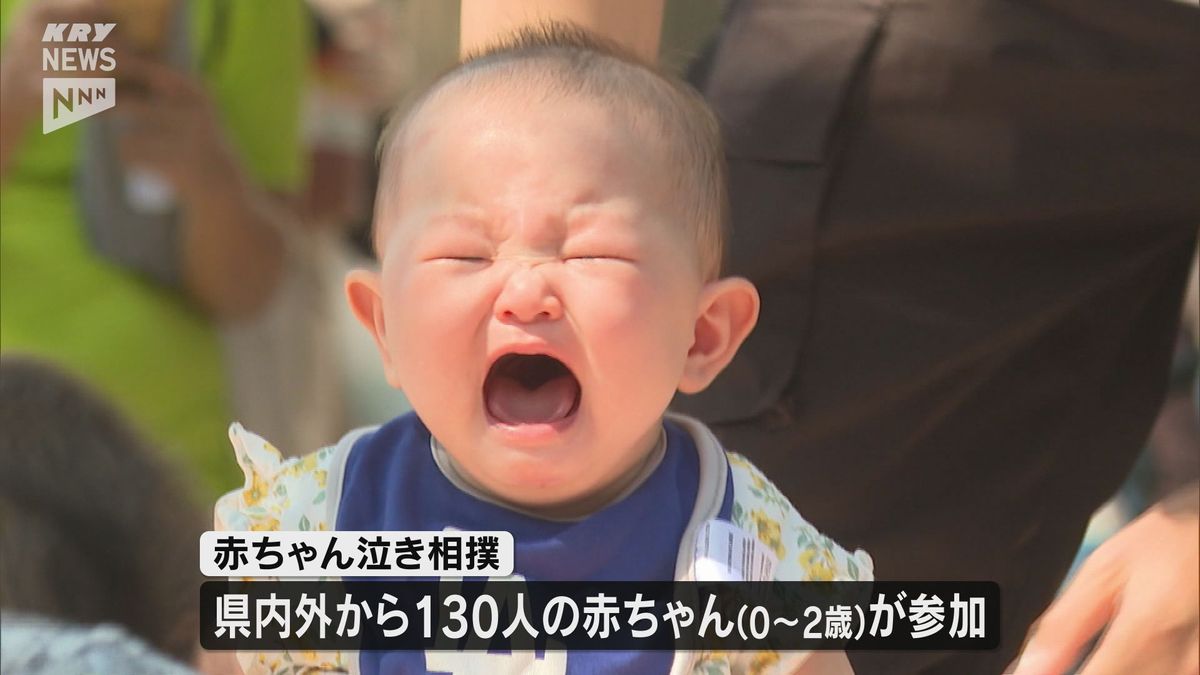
66,100
67,48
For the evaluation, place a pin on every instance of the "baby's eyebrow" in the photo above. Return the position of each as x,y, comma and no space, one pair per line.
599,216
590,218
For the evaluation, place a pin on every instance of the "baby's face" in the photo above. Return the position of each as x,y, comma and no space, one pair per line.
538,296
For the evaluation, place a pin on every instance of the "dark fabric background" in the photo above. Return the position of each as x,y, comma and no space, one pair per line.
971,223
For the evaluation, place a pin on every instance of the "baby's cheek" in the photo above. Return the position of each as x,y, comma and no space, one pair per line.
614,301
433,308
643,365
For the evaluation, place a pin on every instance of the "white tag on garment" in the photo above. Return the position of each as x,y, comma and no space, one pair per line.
726,552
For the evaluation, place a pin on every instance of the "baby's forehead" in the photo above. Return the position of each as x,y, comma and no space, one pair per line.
626,95
452,123
666,138
503,102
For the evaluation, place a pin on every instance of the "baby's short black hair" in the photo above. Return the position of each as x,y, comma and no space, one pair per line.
557,59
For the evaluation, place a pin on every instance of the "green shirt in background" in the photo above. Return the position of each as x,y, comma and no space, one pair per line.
145,346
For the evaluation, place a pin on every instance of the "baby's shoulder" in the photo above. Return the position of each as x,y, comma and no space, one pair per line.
804,553
295,493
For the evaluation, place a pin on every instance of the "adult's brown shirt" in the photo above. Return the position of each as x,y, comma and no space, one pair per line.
971,223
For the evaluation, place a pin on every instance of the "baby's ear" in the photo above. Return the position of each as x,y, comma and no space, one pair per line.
727,313
366,302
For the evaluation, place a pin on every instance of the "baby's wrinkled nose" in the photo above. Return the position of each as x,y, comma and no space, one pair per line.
527,297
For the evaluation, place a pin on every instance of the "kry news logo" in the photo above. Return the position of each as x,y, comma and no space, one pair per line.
66,100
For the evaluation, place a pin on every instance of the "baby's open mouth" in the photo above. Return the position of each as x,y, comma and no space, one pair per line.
530,389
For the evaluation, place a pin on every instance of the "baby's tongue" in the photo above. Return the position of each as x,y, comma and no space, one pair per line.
510,402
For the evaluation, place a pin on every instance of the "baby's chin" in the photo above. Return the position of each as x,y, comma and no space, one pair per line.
540,485
531,477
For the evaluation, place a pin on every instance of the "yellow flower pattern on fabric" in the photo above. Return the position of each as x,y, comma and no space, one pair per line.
768,531
713,663
279,494
265,525
818,564
804,555
257,492
763,661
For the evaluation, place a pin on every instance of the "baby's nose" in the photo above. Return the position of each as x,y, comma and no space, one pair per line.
527,297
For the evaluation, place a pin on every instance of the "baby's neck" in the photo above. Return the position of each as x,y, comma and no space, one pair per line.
572,511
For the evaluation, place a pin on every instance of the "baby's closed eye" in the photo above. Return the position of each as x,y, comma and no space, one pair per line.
472,254
466,258
594,246
597,252
596,257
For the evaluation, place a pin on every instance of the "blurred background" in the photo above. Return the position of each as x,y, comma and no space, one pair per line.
292,363
295,367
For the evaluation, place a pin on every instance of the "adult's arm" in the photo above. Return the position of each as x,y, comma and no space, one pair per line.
17,112
21,65
233,228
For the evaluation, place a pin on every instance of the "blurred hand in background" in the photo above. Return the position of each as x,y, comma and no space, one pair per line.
1140,589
